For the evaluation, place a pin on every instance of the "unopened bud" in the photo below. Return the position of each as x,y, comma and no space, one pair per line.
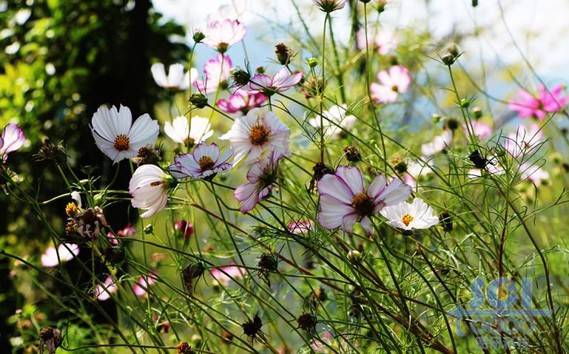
198,100
198,37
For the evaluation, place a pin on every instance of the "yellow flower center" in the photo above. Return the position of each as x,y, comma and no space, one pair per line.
259,135
394,88
122,142
406,219
363,204
206,163
71,209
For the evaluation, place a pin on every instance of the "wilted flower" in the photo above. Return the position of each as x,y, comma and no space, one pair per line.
280,82
257,134
241,101
392,82
176,79
217,71
261,178
221,34
439,143
11,140
204,161
410,216
49,151
148,187
329,5
117,137
140,288
104,291
64,252
197,130
50,339
383,41
344,199
335,121
546,101
223,275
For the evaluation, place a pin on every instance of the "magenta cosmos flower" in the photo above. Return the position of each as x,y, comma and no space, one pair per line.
204,161
221,34
104,291
344,199
261,179
11,140
392,82
223,275
241,101
280,82
546,101
216,73
140,288
256,135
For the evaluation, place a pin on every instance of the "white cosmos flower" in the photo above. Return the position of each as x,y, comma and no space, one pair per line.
533,173
148,187
255,135
410,216
116,135
64,252
439,143
334,120
179,130
176,79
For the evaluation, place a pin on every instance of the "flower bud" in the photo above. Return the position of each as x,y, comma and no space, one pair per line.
354,256
352,154
477,112
148,229
198,36
312,62
452,124
240,77
198,100
400,167
283,54
184,348
184,228
307,322
451,55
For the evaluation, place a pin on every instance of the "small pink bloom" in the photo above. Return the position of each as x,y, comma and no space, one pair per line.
530,106
221,34
300,227
481,130
281,82
128,230
140,288
216,73
223,275
104,291
11,140
392,82
241,101
184,228
345,200
383,41
66,252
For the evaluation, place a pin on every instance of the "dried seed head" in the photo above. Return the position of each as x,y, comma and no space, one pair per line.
184,348
307,322
283,53
252,328
352,154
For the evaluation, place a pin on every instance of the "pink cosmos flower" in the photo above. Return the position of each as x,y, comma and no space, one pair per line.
66,252
524,141
261,178
241,101
546,101
223,275
216,73
184,228
344,199
221,34
300,227
383,41
392,82
482,130
439,143
127,231
204,161
104,291
140,288
280,82
11,140
256,135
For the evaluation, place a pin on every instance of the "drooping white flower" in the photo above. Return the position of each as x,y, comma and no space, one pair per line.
64,252
198,129
149,189
176,79
334,120
256,135
410,216
116,135
11,140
